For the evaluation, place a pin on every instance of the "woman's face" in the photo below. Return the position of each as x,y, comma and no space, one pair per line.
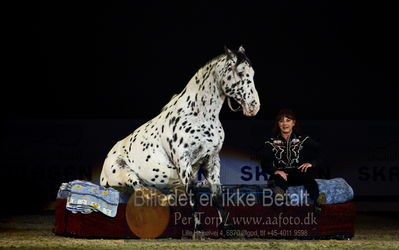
286,125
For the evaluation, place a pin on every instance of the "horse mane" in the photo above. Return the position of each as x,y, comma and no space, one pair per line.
241,57
165,106
213,59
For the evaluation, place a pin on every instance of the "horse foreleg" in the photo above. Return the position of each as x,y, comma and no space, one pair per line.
212,175
186,175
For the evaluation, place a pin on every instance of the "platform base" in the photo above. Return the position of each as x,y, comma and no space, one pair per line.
336,221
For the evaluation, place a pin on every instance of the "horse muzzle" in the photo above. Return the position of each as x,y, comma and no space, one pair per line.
250,110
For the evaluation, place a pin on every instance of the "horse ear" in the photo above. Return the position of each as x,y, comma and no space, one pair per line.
229,53
241,49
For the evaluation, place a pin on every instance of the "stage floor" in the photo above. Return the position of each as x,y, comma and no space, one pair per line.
372,231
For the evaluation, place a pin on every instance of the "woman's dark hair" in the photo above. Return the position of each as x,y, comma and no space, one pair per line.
285,113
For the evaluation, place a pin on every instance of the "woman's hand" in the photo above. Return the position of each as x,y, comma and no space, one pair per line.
282,174
304,167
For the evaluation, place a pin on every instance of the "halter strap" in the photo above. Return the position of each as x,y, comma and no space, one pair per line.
228,98
231,107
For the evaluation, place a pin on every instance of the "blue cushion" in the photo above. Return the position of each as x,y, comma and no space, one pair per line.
337,190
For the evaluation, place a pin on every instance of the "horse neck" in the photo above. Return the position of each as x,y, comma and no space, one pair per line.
205,90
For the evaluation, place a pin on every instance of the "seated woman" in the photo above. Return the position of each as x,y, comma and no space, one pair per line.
290,158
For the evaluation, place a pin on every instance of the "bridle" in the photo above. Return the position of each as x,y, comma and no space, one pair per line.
231,107
229,100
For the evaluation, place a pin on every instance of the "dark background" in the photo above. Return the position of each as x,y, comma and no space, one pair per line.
80,67
125,59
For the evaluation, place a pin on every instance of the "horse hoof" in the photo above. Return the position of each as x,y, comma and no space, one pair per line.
228,231
198,235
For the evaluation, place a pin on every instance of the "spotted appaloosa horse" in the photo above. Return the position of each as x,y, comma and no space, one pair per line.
187,135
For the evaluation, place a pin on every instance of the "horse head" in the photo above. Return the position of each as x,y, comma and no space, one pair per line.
237,80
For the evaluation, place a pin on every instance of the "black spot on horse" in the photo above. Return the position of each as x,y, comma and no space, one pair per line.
172,120
170,142
121,162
